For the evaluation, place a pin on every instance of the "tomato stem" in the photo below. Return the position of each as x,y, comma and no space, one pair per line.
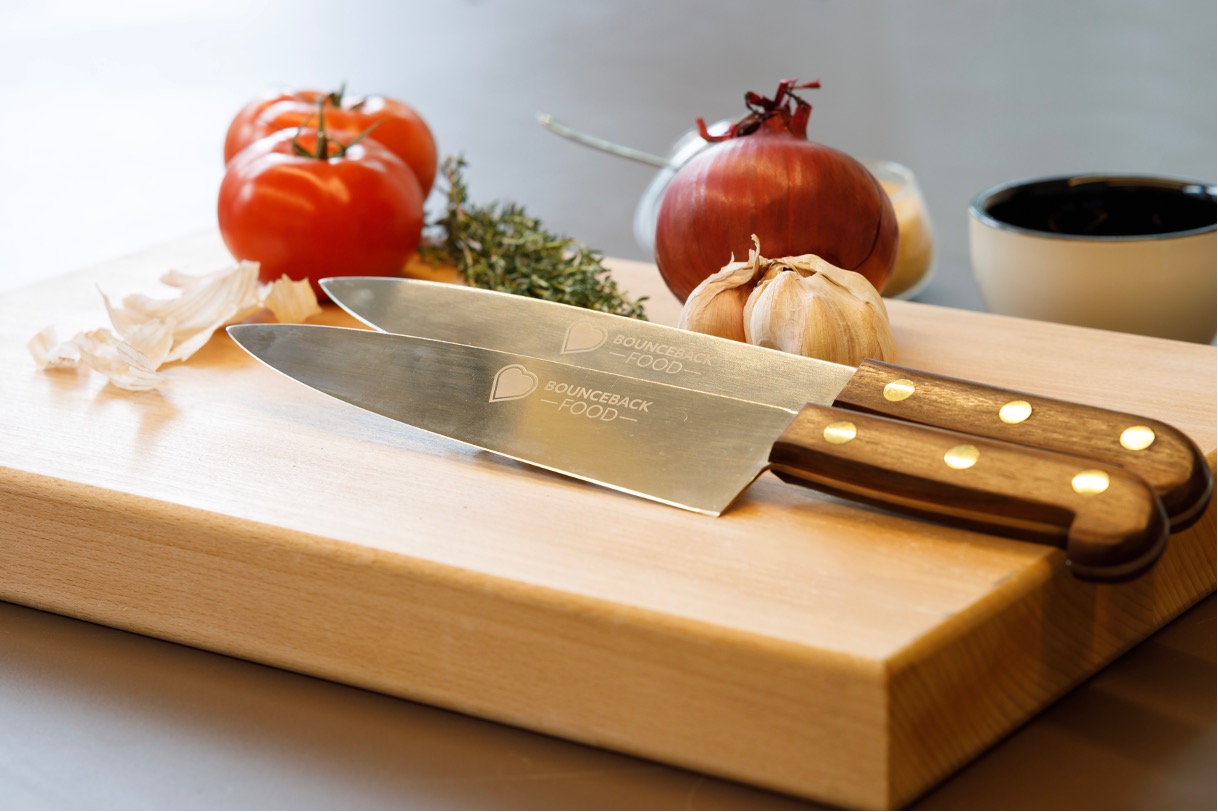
325,141
361,136
338,98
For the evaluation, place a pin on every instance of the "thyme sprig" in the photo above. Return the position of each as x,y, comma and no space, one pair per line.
500,247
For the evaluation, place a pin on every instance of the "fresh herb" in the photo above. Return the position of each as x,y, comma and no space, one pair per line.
500,247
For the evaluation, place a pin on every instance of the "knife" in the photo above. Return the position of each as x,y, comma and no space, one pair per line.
699,451
1161,454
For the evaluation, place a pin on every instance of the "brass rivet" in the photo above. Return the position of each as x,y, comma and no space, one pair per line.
1090,482
1137,438
1016,411
843,431
961,457
899,389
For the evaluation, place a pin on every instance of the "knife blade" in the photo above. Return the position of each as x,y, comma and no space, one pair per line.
699,451
1161,454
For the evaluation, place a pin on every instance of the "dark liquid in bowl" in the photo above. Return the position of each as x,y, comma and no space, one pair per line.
1097,209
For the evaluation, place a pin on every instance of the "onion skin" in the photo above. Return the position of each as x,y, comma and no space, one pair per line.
767,179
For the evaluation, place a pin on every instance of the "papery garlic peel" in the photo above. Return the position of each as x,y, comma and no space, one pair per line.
802,305
150,332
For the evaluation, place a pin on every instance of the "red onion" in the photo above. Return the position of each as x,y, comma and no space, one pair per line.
765,177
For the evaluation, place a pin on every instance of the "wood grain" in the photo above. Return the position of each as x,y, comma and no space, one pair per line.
1112,532
1170,461
799,642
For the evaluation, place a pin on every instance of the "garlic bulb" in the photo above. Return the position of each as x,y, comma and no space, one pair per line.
802,305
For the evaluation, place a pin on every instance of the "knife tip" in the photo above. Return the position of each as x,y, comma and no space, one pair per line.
245,335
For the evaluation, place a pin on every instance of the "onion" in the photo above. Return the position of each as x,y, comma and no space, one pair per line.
765,178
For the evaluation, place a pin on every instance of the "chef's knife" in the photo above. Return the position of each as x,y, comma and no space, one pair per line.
699,451
1163,455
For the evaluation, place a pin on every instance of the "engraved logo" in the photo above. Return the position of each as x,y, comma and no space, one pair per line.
512,383
583,337
658,356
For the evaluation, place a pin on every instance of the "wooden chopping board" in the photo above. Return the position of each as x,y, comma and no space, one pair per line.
798,642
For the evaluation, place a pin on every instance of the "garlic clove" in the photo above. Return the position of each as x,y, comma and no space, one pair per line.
807,306
776,312
716,305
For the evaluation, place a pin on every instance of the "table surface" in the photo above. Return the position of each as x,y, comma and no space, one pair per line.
100,718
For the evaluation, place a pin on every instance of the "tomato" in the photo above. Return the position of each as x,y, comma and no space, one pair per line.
398,126
358,212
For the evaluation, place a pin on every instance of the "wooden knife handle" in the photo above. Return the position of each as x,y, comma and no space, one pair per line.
1164,456
1108,519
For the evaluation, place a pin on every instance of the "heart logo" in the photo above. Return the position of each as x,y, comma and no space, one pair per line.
583,337
512,383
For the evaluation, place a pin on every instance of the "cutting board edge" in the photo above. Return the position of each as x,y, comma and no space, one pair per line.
759,710
1076,629
999,635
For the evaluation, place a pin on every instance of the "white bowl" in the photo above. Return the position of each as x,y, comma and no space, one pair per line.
1130,253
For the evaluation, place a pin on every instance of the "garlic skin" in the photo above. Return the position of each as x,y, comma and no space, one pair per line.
802,305
716,305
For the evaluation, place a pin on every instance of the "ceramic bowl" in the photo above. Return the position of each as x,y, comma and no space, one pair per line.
1129,253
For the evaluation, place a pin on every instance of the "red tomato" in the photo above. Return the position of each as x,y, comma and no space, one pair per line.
356,213
398,127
